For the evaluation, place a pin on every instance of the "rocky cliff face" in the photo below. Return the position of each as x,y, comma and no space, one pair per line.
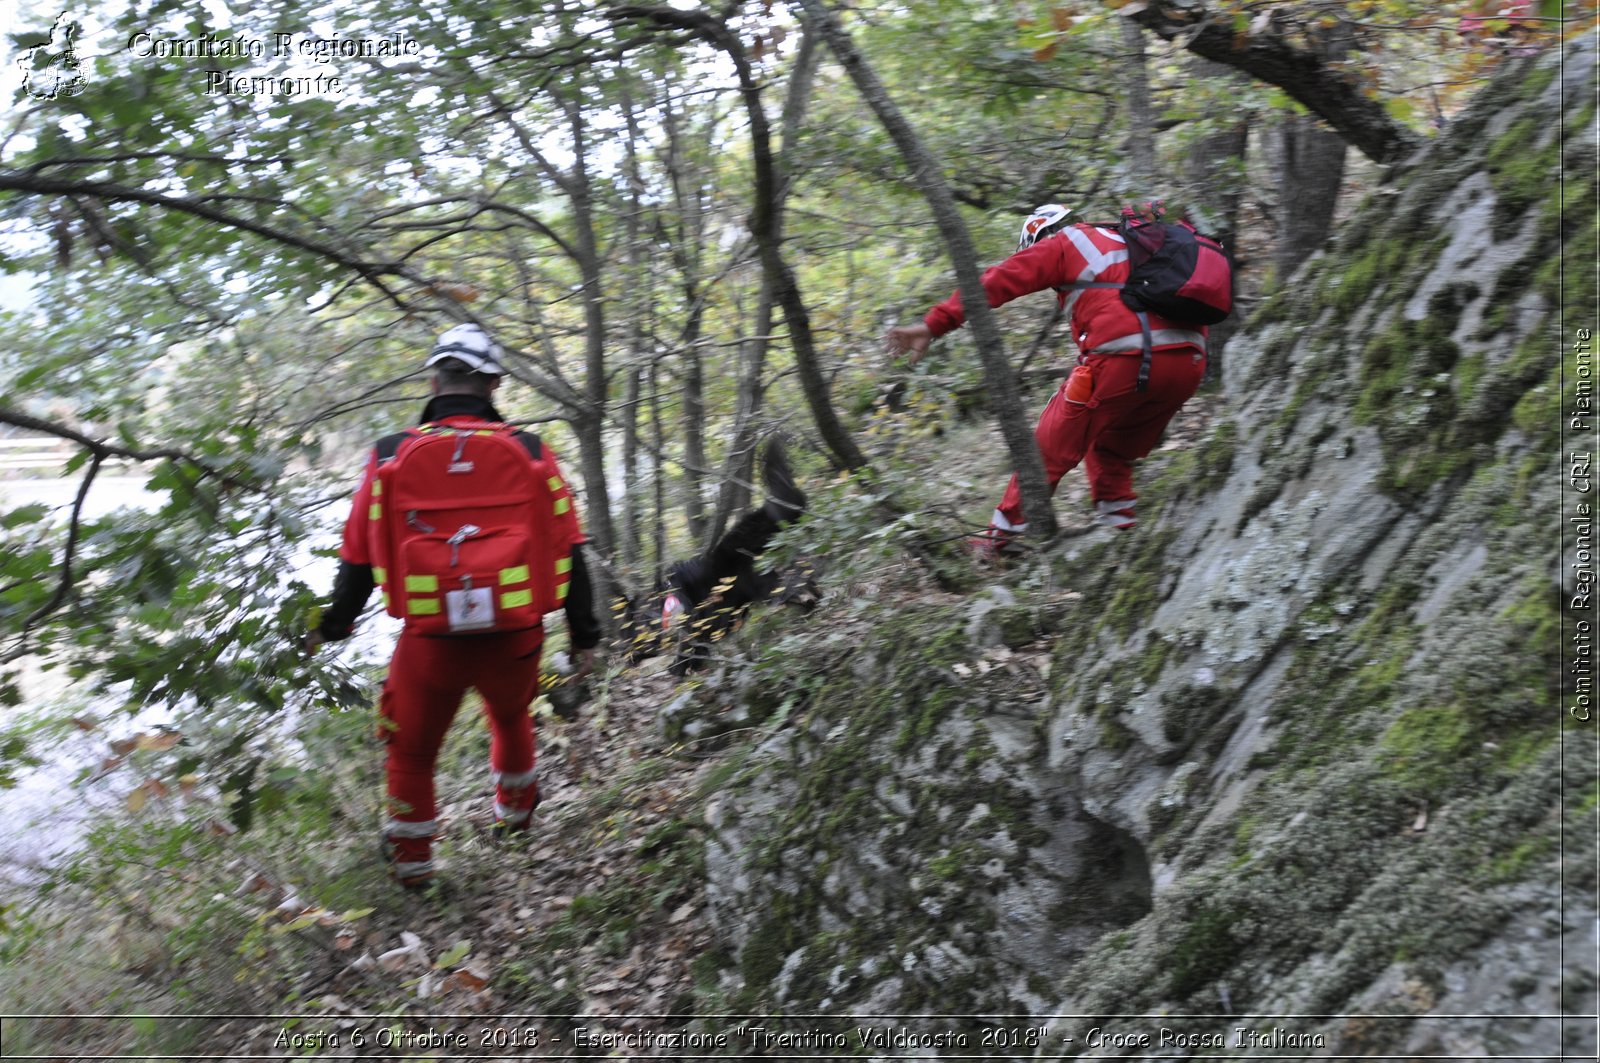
1295,747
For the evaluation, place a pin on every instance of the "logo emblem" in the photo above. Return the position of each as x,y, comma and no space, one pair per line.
51,71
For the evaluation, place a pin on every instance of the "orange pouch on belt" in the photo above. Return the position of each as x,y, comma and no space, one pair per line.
1080,385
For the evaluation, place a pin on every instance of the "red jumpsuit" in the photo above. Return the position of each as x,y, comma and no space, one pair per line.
1119,424
429,676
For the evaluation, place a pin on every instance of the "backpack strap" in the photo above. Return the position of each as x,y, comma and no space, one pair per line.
389,445
1149,350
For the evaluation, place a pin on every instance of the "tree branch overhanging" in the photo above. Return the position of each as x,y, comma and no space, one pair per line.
1266,54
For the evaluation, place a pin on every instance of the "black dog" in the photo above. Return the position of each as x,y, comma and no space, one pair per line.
704,598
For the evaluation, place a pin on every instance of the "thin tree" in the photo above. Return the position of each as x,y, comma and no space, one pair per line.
766,224
1004,397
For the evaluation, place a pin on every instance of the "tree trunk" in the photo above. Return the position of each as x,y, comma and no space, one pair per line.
738,471
1215,170
632,485
1310,170
687,241
590,426
638,306
1141,150
1005,400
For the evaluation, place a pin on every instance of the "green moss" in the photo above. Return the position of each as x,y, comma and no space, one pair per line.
1425,749
1516,864
1536,81
1469,371
1154,659
1207,949
1523,165
1139,588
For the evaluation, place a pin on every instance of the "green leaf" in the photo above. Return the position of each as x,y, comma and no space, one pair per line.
24,515
453,955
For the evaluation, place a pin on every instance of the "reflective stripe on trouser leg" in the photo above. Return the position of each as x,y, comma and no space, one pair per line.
516,796
409,846
999,521
1116,514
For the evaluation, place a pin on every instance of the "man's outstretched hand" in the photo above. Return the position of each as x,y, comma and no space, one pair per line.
909,340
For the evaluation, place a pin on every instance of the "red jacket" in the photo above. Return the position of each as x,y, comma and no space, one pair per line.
1101,322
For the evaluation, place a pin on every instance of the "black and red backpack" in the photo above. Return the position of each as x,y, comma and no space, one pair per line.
1174,272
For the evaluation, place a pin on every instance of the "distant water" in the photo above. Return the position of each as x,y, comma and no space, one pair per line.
47,812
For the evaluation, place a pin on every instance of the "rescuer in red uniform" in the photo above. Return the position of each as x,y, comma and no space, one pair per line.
440,652
1112,422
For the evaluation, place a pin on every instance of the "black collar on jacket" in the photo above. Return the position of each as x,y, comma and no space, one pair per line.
441,406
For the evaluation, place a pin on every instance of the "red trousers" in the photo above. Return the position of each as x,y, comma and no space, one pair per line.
1115,428
428,677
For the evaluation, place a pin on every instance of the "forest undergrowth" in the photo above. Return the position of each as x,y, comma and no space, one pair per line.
173,932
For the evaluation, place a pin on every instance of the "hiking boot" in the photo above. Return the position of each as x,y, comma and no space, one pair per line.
1118,514
785,500
509,822
410,875
995,546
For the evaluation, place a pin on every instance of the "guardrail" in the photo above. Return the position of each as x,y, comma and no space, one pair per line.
34,453
40,456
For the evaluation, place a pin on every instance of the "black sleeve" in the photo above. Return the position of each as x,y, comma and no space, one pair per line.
581,620
351,589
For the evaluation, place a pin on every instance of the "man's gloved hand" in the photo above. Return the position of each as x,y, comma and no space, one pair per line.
583,665
566,689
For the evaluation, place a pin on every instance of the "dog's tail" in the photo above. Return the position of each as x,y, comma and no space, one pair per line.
785,501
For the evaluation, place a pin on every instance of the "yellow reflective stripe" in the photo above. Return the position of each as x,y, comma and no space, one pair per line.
380,575
561,592
385,599
517,574
556,484
375,511
562,505
563,565
513,599
422,584
422,606
377,488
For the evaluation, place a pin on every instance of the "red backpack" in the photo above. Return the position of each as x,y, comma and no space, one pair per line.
470,532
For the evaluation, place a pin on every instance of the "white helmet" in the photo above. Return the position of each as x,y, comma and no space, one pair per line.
1044,221
470,345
